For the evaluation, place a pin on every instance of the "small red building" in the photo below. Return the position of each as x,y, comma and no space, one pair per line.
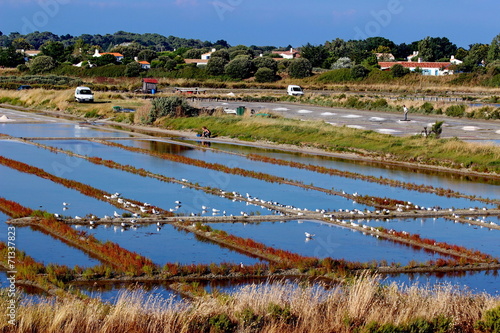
149,85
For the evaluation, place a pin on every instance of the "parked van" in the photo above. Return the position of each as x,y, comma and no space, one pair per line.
84,94
294,90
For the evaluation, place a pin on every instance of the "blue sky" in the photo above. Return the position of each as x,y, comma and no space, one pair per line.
259,22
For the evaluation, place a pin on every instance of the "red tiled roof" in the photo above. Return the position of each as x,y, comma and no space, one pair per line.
150,80
113,53
414,64
144,63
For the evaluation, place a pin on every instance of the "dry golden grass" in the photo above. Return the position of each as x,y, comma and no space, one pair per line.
277,307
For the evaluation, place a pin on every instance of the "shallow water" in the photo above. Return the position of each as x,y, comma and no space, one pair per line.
442,230
46,195
329,241
168,245
336,182
285,194
62,130
464,184
111,293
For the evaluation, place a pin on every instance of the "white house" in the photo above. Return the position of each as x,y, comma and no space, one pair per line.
288,54
455,61
426,67
206,56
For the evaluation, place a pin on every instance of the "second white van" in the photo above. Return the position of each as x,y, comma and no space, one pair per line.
294,90
84,94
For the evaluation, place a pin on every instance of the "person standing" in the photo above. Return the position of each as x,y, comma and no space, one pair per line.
405,110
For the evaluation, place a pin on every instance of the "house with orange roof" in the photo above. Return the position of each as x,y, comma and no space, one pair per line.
145,64
118,56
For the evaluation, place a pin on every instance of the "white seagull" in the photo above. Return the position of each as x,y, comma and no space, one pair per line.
308,235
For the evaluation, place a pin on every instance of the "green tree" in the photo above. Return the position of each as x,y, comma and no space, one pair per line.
315,54
476,55
425,51
300,68
267,62
9,57
193,54
239,68
21,44
435,48
399,71
133,69
147,55
359,72
41,64
265,74
215,65
55,50
461,53
494,49
239,52
222,53
103,60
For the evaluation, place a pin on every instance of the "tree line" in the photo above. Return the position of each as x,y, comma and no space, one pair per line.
235,62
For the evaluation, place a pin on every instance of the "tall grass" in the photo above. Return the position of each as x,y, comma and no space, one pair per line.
359,306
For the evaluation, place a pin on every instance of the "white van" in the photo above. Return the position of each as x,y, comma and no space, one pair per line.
84,94
294,90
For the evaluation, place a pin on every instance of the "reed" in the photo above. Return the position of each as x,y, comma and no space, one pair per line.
363,305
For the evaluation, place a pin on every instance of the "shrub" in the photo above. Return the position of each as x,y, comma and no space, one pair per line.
427,107
359,72
42,64
399,71
266,62
222,323
133,69
239,68
173,106
300,68
215,66
265,74
380,103
490,322
343,62
455,111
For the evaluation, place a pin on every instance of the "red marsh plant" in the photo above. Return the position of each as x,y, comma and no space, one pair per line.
121,259
458,250
13,209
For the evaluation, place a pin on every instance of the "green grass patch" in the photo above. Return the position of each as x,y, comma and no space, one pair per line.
444,152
